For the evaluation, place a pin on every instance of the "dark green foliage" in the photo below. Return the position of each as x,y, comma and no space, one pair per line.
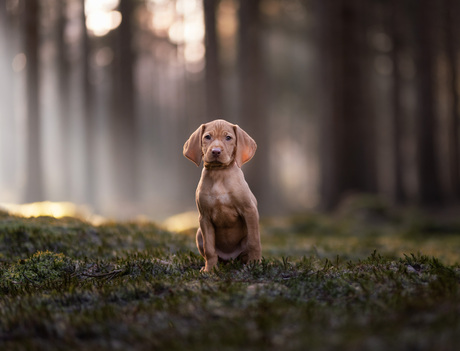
66,284
20,238
42,266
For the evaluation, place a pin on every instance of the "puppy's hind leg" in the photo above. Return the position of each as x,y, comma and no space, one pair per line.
199,241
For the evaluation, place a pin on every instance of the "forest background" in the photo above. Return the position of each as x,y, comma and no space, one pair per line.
342,97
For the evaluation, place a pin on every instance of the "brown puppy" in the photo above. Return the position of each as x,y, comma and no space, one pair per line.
229,220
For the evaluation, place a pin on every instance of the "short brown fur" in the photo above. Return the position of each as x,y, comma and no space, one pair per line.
229,219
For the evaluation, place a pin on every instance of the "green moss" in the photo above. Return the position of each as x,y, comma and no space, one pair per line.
321,286
41,266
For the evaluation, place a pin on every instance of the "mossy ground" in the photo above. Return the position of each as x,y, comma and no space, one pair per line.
359,281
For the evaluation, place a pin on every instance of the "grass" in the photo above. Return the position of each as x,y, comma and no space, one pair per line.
347,282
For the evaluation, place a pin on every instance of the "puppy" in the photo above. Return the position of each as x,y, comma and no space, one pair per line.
229,219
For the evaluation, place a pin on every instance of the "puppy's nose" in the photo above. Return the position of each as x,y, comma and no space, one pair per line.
216,151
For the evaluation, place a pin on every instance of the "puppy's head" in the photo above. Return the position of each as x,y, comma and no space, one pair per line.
220,143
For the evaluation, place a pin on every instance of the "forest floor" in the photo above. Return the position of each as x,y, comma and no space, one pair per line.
367,278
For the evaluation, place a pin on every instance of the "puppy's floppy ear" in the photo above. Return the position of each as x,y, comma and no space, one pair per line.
192,147
245,146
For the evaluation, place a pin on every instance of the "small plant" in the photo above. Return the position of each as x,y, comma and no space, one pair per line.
42,266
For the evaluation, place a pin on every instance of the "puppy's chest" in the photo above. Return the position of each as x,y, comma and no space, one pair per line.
219,204
215,195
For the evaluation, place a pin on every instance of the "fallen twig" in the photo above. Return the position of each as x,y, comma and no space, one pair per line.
102,275
29,280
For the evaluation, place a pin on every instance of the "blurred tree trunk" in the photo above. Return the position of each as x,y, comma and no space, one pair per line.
8,151
64,94
451,13
329,109
34,185
213,76
347,127
396,35
88,110
425,53
124,111
252,90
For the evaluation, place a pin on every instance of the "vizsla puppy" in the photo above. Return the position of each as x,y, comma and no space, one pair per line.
229,220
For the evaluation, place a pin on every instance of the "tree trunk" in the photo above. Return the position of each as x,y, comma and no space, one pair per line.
329,45
347,127
8,149
395,30
213,76
451,11
34,186
125,143
428,166
252,85
64,95
358,166
88,110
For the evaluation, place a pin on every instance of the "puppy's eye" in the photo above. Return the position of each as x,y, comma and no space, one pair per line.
207,137
228,138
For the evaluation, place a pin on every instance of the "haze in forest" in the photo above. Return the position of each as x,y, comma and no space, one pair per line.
97,98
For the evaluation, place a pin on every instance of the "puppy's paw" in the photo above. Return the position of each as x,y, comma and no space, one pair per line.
257,257
207,268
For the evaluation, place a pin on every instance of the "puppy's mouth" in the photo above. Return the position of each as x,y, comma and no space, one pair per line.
214,161
215,165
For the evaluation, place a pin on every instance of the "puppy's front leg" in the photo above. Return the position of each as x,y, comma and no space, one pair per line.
253,246
209,244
